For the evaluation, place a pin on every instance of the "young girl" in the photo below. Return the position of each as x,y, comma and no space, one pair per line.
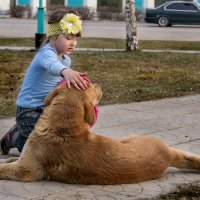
49,67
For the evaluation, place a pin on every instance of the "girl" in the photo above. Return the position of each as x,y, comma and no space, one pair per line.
49,67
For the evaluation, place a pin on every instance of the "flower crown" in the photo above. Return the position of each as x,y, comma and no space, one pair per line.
69,24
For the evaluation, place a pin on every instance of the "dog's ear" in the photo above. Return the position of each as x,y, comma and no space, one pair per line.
90,117
50,96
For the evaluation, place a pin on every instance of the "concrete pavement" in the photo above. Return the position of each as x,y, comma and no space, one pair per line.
175,120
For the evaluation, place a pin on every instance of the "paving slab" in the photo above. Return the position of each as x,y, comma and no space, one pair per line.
175,120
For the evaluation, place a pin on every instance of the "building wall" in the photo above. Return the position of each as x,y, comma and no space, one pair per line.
23,2
149,3
197,1
92,4
4,6
34,5
141,4
77,3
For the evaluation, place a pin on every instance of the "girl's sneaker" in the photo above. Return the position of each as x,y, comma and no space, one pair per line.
6,142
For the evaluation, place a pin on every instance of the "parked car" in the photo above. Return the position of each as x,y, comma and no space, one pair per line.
174,12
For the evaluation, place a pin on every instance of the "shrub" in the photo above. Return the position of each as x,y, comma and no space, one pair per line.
84,12
117,4
21,11
159,2
111,13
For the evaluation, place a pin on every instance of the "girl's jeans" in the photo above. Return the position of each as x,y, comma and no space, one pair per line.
26,119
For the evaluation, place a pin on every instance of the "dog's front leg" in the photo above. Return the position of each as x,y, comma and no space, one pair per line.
8,160
18,172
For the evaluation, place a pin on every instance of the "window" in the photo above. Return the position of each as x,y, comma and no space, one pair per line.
182,6
190,6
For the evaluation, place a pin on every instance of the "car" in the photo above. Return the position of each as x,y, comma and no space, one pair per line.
174,12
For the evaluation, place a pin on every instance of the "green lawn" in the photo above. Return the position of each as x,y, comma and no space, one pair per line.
125,76
184,192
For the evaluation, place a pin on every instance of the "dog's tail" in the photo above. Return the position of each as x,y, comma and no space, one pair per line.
184,160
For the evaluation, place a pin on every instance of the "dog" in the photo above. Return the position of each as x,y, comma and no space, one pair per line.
62,148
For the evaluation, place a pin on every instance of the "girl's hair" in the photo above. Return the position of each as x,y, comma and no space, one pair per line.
57,15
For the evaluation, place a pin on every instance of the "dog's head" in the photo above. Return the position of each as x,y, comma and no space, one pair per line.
70,108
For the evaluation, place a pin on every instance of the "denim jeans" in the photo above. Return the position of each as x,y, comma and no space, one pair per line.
26,119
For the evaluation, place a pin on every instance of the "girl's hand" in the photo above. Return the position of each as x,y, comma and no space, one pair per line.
75,78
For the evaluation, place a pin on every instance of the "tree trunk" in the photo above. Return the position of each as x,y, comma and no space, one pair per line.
131,28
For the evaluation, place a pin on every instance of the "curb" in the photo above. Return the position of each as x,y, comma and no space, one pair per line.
13,48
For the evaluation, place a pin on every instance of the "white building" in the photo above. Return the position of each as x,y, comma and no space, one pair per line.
34,4
141,4
5,5
91,4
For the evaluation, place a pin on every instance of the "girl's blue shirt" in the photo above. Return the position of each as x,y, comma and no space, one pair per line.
43,75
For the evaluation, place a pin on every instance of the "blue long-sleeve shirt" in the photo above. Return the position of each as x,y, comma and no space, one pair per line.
43,75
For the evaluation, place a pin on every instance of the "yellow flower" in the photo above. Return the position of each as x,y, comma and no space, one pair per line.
71,24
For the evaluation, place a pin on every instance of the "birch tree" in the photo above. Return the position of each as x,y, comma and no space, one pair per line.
131,28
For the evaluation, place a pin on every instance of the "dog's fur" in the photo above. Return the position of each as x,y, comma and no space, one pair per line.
62,148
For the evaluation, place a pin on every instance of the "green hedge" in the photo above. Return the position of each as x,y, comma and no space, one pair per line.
159,2
110,3
55,2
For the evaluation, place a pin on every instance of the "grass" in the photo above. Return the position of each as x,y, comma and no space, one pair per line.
132,77
110,43
13,66
125,76
184,192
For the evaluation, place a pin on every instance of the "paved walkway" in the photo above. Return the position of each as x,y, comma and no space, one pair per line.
175,120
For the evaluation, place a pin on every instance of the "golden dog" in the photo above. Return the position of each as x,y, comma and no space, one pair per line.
62,148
